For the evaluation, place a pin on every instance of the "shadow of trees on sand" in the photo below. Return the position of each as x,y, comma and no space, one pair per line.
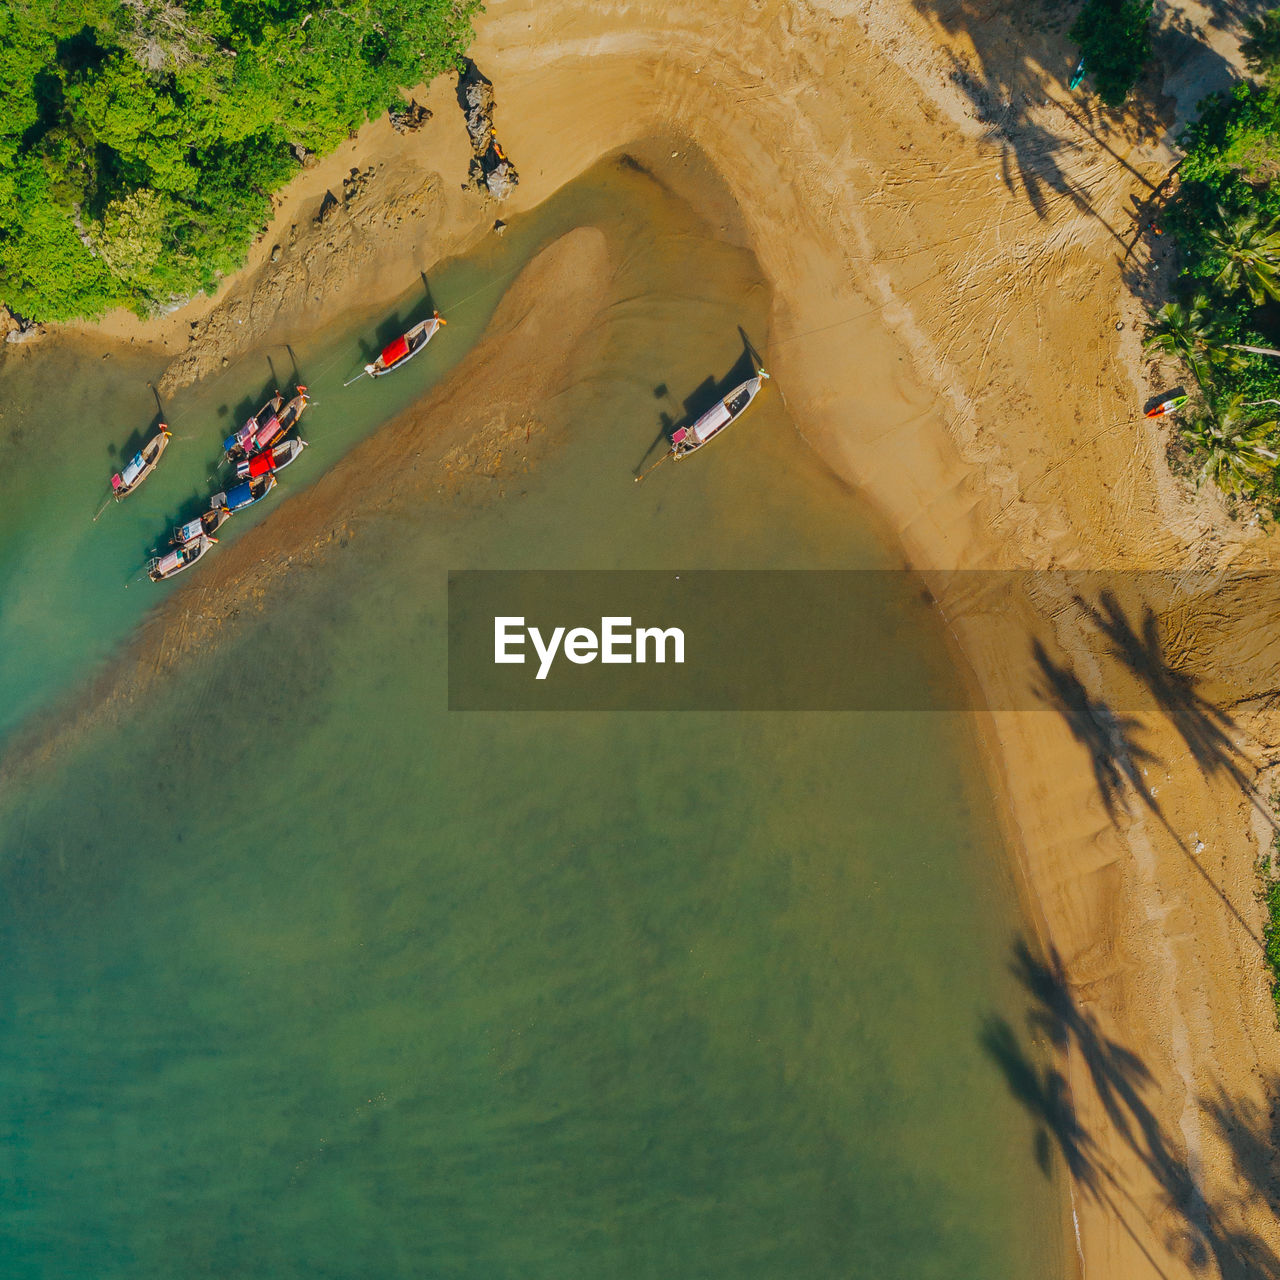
1016,83
1117,755
1205,728
1203,1231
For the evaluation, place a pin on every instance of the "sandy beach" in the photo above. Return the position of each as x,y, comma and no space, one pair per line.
950,237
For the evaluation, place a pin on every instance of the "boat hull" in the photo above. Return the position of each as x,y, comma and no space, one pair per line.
205,525
141,465
414,341
168,566
722,414
240,443
243,495
274,458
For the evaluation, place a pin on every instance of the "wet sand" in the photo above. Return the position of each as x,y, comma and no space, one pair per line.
941,225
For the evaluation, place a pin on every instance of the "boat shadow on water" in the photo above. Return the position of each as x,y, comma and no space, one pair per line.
707,392
138,437
244,408
398,322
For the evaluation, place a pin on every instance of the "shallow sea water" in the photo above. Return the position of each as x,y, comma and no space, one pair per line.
305,976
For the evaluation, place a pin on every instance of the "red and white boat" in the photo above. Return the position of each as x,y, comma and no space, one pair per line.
405,347
274,458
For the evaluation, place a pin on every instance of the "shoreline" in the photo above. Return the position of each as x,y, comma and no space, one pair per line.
916,286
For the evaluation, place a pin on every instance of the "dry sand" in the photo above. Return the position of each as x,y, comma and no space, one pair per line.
948,235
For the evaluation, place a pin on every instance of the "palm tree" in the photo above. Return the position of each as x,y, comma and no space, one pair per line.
1251,249
1237,445
1191,334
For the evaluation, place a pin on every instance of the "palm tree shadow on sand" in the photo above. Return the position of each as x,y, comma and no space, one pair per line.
1206,729
1117,757
1205,1231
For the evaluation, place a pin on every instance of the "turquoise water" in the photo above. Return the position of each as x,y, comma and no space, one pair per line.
306,976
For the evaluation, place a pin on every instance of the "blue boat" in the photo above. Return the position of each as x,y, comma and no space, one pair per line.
244,495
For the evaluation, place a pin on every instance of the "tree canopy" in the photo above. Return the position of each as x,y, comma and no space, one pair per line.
140,139
1115,42
1224,321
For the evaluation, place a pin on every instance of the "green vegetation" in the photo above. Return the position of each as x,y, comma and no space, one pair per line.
140,140
1225,323
1270,896
1235,446
1115,42
1271,940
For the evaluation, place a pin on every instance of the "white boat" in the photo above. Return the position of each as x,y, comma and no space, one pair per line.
141,465
203,526
687,440
168,566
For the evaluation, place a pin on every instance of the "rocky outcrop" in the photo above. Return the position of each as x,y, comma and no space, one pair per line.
491,171
14,328
409,119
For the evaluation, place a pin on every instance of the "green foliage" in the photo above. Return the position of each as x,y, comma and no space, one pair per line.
1234,446
1225,219
1192,334
140,139
1115,42
1249,249
1271,939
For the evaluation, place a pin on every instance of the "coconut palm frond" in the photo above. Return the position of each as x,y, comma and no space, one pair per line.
1251,254
1237,446
1191,334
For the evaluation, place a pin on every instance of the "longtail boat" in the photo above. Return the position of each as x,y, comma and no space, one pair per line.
274,458
1171,405
167,566
274,431
240,443
141,465
686,440
244,495
405,347
205,525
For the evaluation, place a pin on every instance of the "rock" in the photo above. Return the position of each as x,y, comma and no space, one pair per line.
499,227
275,253
491,172
15,329
409,119
327,206
479,114
304,157
354,183
501,180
